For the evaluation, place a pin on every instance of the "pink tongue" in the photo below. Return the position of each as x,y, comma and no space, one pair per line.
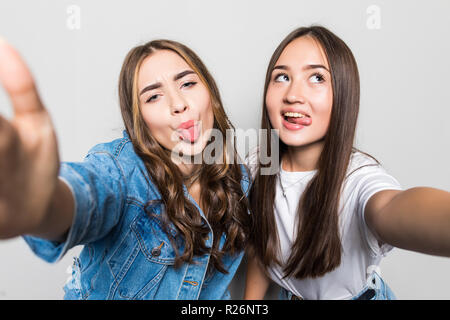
302,121
189,134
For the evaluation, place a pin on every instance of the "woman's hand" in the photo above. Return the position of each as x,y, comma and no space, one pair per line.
29,160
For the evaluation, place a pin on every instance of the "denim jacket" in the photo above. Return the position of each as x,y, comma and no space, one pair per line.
126,253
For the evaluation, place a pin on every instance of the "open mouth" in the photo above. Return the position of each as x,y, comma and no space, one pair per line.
296,118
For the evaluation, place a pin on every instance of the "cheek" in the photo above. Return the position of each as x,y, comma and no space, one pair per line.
205,109
151,117
158,125
209,115
323,106
273,107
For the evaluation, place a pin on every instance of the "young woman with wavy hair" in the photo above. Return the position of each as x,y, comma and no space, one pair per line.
153,225
323,222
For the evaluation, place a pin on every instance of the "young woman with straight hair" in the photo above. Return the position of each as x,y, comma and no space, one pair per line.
321,225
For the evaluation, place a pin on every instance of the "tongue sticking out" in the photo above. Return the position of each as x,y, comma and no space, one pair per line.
189,134
302,121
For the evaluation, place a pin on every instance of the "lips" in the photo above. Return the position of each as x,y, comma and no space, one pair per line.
301,121
293,110
187,124
295,119
188,131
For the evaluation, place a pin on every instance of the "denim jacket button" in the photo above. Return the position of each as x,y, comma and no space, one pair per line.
156,251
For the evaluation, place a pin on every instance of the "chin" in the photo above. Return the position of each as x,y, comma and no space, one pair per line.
292,141
188,152
191,150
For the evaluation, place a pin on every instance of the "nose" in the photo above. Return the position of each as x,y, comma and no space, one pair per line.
177,103
294,94
178,108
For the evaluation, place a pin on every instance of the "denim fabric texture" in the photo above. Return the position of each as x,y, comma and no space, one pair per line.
375,289
126,253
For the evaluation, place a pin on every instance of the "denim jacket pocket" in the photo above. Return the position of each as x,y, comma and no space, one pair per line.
153,241
141,260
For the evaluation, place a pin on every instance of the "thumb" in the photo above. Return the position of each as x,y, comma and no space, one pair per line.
17,80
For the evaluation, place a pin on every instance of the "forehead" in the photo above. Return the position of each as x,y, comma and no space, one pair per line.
160,65
303,51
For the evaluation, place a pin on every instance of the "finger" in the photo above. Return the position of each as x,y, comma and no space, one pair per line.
17,80
7,136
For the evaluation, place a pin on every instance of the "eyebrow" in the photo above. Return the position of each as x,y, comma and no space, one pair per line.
157,85
307,67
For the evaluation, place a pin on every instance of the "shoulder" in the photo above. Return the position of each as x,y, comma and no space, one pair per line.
363,166
116,148
120,156
360,160
120,151
367,176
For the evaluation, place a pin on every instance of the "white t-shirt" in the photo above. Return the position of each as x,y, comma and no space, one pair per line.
361,250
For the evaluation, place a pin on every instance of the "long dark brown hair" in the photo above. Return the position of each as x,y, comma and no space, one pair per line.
317,247
225,205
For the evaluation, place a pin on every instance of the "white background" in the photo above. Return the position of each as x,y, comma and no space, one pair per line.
404,68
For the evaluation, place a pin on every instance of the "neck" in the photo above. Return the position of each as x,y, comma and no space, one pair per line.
191,174
186,169
303,158
186,164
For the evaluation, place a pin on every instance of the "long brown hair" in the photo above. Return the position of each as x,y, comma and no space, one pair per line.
317,247
226,207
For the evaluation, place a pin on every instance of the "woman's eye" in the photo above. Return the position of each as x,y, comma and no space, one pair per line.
317,78
281,78
188,84
152,98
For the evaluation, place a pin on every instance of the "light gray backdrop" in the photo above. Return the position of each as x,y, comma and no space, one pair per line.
76,48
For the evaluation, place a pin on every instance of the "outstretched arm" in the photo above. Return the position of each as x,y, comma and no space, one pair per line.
416,219
32,198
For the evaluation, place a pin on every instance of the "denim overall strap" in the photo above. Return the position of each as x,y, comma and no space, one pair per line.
374,289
